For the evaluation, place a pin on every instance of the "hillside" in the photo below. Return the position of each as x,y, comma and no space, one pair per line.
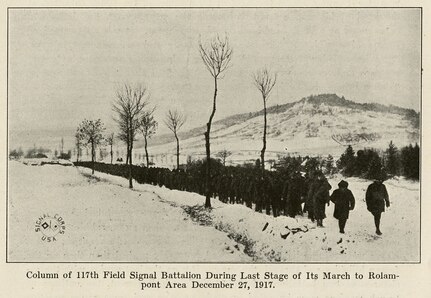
316,125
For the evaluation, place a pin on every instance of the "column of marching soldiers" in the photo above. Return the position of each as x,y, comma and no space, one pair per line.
274,193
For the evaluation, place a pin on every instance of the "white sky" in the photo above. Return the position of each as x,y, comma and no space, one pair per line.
64,65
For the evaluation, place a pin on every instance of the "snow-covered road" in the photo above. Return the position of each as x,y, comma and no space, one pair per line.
106,221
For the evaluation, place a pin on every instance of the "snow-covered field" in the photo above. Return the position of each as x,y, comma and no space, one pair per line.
106,221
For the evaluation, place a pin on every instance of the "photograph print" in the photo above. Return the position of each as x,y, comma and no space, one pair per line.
214,135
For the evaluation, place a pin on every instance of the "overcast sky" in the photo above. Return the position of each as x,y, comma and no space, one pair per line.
64,65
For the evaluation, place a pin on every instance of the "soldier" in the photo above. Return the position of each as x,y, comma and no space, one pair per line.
344,202
190,183
295,191
312,188
240,191
249,192
260,194
213,185
284,197
276,196
376,198
236,188
230,187
267,194
223,189
321,198
159,177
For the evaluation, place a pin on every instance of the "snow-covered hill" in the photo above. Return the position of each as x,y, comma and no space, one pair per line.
316,125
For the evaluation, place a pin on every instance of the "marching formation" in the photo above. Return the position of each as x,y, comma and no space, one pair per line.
274,193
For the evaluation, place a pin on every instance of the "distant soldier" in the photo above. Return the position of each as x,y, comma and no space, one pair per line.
277,204
160,177
242,191
321,198
236,185
249,192
267,194
200,183
231,188
260,194
190,183
169,179
223,188
344,202
284,194
273,197
376,198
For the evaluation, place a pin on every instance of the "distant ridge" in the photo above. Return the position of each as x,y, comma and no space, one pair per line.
329,99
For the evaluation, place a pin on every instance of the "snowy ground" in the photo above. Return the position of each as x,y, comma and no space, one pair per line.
108,222
104,222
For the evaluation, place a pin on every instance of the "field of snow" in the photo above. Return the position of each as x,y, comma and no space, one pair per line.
106,221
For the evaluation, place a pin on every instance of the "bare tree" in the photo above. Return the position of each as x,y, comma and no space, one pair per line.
223,155
174,121
148,128
110,142
129,108
90,133
264,82
216,56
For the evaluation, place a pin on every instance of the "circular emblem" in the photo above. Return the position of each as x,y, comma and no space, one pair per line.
50,226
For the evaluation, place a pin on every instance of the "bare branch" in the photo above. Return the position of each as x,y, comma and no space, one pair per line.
174,120
128,107
216,55
264,82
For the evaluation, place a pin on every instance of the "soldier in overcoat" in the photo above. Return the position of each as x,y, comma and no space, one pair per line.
321,198
377,198
344,202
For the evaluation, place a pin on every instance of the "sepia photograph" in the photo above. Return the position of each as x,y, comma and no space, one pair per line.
214,135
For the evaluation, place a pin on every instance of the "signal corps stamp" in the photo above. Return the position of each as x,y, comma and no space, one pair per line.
50,227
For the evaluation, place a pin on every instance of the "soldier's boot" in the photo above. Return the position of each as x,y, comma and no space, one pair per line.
377,223
342,224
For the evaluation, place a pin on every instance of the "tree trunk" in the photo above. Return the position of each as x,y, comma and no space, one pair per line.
92,157
112,155
146,151
262,153
178,151
127,153
130,166
208,151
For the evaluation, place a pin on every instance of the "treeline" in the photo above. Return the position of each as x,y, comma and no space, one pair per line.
38,153
373,164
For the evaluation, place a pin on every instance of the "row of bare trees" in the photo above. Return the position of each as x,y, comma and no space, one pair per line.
133,115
